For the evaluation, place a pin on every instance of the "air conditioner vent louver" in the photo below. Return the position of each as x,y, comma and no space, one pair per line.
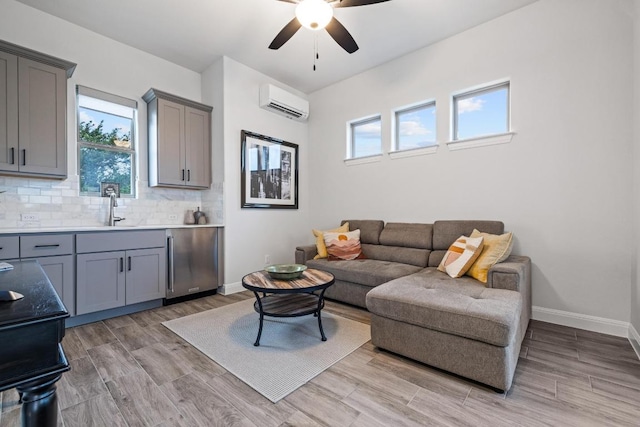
285,110
281,102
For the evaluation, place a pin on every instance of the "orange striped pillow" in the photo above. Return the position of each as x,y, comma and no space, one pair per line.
319,235
461,256
344,246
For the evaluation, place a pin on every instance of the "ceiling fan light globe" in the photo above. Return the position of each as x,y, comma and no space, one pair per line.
314,14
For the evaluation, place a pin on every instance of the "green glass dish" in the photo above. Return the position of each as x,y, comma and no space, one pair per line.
285,271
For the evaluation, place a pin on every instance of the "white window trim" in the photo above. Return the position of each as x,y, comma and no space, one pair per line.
487,138
350,124
396,153
480,141
414,152
375,158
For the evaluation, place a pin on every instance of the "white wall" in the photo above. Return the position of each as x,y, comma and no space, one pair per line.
562,185
250,234
109,66
635,284
213,94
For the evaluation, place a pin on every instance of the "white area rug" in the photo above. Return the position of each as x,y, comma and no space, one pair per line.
290,353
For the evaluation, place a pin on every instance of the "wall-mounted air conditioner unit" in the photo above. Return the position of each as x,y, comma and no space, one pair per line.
281,102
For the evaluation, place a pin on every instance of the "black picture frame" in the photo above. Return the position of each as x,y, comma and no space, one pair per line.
269,172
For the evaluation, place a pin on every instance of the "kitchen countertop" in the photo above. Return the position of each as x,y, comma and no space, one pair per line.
80,229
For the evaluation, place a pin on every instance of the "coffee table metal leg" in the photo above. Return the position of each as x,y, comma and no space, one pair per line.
320,302
257,343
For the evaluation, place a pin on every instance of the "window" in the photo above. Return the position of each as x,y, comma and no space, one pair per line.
415,127
106,141
481,112
366,138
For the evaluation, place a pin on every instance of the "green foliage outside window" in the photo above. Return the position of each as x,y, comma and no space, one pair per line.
99,165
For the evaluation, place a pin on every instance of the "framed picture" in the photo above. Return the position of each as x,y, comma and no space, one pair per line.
269,172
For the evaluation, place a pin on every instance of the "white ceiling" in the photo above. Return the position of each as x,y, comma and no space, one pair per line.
195,33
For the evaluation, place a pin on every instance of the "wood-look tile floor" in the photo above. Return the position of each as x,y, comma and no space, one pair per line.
132,371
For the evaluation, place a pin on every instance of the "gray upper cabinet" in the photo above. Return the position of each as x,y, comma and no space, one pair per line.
179,141
8,111
33,90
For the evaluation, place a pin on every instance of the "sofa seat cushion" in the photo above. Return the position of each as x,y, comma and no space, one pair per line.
463,306
368,272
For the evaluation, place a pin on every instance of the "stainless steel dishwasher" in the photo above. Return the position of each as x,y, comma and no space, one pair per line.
193,261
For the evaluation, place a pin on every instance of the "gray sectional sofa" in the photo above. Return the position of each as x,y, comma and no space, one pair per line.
460,325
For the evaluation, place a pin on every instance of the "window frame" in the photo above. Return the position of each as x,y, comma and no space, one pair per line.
470,93
396,152
351,140
80,144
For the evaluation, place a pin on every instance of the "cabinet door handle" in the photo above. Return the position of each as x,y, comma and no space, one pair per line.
171,265
24,157
56,245
188,174
182,175
121,264
13,156
129,263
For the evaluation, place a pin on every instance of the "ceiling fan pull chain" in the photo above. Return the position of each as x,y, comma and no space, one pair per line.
315,51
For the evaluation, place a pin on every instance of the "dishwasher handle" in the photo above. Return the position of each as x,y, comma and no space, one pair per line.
172,271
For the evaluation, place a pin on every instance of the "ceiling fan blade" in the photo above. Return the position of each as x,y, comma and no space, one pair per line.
289,1
351,3
341,35
285,34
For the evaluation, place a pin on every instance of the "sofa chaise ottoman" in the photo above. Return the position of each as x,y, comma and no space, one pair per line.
460,325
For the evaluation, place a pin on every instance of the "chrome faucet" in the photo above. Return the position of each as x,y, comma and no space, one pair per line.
113,203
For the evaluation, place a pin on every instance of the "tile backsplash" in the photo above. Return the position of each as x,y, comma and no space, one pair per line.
53,203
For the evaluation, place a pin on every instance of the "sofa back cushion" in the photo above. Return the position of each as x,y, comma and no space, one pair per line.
369,229
410,256
407,235
446,232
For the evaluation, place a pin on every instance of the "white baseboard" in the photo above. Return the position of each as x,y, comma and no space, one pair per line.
582,321
634,337
231,288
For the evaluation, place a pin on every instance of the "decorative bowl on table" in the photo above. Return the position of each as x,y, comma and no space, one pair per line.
285,271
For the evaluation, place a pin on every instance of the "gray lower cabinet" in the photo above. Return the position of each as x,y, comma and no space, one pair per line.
33,107
146,275
9,247
60,271
100,281
54,252
112,272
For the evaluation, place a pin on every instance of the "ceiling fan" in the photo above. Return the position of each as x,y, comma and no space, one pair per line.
316,15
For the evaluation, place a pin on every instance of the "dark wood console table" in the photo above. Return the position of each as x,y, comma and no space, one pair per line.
31,329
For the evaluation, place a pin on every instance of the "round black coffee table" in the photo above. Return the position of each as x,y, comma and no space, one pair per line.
288,298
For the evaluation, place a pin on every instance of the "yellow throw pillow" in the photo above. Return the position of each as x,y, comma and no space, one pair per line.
497,248
461,256
320,246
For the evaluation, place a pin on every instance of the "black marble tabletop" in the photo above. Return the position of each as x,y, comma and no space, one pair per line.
40,299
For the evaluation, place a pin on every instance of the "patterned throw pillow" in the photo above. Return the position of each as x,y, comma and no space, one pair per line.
461,256
345,246
319,235
497,248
